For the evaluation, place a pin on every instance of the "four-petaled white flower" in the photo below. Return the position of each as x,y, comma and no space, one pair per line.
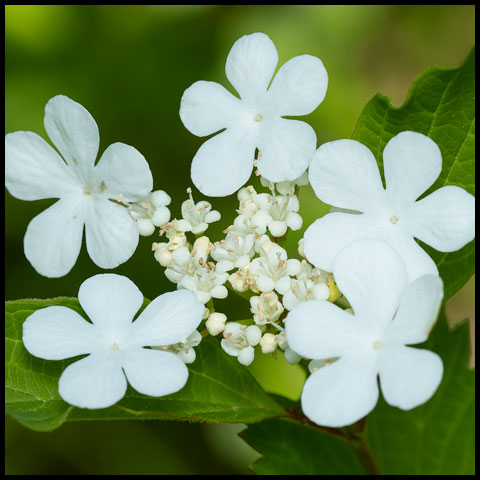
344,174
115,345
388,315
225,162
34,171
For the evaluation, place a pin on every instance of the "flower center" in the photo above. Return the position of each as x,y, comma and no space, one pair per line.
377,344
87,190
258,117
115,346
394,219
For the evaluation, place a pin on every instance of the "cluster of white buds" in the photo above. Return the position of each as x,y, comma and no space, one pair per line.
197,216
150,212
239,341
266,308
184,349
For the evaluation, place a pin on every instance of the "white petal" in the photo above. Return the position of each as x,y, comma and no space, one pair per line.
299,86
344,173
110,301
415,258
125,172
55,333
96,381
53,238
417,312
341,393
445,219
250,65
224,163
319,329
409,376
34,170
286,147
168,319
411,162
153,372
112,235
372,277
207,107
72,130
328,235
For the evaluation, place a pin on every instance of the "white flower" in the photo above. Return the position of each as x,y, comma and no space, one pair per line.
193,272
389,314
224,163
34,171
243,280
184,349
266,308
151,212
310,284
115,345
272,270
248,201
277,212
235,251
198,216
344,173
239,341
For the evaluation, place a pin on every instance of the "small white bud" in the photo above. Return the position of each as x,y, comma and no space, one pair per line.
216,323
269,343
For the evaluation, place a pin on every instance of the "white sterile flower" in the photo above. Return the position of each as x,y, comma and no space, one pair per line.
151,212
266,308
310,284
287,187
235,251
389,314
216,323
198,215
291,356
277,212
239,341
184,349
35,171
224,163
344,174
115,345
272,270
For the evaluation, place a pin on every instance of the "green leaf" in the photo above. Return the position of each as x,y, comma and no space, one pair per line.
219,388
441,105
290,448
439,436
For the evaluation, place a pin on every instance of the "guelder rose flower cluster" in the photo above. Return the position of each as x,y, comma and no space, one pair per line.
347,305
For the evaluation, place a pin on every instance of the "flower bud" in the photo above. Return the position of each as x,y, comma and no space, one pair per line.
216,323
269,343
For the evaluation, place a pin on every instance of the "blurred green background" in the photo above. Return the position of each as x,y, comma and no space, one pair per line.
129,65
